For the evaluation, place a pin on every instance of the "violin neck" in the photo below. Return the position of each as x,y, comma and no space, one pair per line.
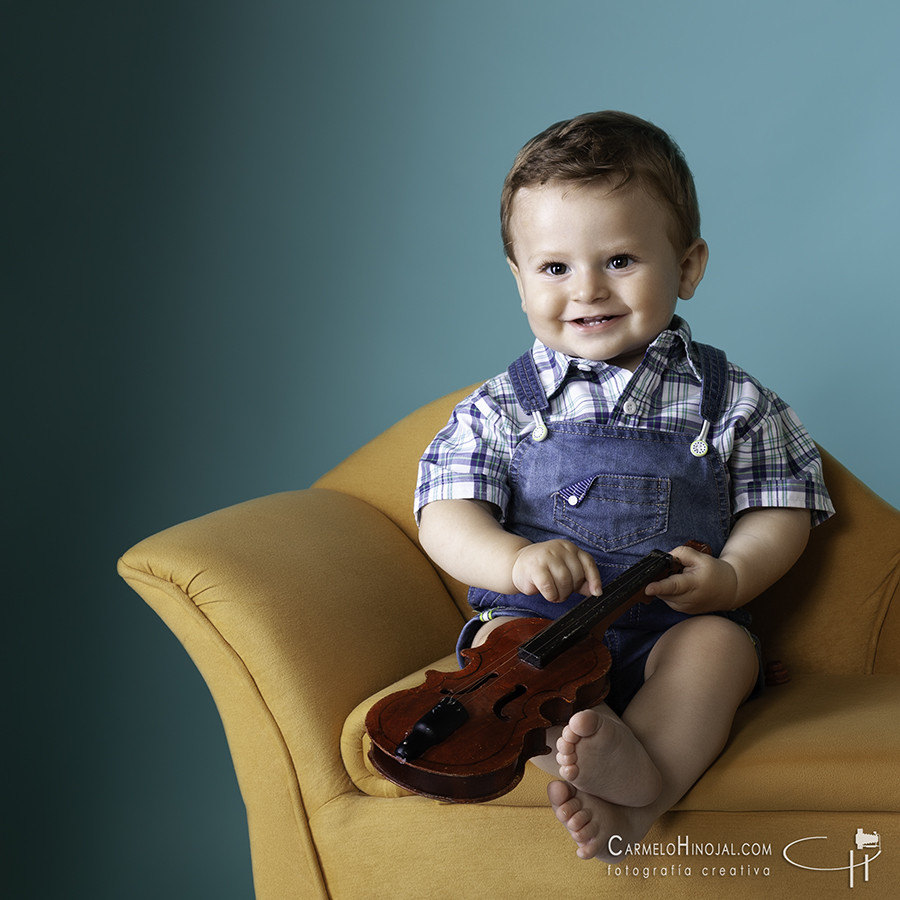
576,624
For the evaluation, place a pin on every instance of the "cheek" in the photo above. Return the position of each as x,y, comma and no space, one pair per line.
538,309
536,316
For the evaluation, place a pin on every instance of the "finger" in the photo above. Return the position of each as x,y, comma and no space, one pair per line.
592,585
585,575
673,586
526,583
548,590
567,575
689,556
539,582
555,582
529,573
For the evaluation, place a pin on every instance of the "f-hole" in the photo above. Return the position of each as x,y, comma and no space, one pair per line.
503,702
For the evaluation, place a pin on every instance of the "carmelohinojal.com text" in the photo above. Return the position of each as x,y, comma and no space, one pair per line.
715,859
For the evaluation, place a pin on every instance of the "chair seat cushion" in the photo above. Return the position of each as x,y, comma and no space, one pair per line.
819,742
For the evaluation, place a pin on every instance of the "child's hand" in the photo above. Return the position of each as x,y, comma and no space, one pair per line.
555,569
707,584
762,546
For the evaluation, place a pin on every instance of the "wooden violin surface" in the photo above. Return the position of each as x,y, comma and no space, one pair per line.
465,736
507,709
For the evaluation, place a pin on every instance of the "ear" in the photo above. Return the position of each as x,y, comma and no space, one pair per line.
693,267
517,275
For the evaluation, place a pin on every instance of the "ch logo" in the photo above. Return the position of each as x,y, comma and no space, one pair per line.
863,843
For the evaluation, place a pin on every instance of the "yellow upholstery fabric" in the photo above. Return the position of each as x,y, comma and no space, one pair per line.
298,608
767,764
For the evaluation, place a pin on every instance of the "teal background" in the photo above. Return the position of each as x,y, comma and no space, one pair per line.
241,239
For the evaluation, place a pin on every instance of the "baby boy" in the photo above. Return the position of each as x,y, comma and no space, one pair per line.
616,434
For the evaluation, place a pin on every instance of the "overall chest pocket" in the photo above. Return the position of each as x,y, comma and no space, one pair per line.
613,512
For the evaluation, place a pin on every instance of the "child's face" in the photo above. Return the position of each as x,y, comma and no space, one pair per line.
597,271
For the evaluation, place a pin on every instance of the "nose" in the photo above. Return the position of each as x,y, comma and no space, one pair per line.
590,286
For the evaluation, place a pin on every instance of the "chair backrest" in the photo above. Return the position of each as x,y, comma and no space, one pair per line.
384,471
832,612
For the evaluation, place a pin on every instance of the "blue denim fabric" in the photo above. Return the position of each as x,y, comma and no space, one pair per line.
617,492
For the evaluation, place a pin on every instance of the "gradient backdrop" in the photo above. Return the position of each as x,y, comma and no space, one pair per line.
242,238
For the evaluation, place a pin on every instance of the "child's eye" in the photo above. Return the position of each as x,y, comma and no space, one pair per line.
622,261
555,269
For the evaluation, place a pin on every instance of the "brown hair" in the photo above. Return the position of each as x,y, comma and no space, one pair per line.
601,146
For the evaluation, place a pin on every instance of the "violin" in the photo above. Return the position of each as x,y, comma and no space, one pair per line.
465,736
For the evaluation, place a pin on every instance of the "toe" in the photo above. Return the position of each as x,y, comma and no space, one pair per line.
588,850
583,724
579,826
558,792
567,811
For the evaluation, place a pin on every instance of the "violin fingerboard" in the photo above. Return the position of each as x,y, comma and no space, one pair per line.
576,624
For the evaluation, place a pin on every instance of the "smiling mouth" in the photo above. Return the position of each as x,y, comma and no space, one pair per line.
593,321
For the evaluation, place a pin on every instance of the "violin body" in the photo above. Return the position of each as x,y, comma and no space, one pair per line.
465,736
509,709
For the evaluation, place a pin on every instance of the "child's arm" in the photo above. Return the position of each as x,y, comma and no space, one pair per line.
763,545
465,539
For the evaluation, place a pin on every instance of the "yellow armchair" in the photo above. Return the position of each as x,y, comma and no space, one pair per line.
300,608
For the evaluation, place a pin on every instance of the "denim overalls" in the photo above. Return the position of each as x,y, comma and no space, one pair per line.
618,492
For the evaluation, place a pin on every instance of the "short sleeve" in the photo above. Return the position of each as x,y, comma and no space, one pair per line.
774,462
469,458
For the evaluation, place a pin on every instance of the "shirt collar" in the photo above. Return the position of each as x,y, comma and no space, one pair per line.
554,367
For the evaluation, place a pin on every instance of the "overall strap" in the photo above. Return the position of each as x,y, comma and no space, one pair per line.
711,362
713,387
530,393
526,383
713,366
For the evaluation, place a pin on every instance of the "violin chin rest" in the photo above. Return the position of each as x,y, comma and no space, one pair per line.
436,725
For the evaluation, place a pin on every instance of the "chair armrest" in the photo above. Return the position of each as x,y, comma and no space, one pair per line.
295,607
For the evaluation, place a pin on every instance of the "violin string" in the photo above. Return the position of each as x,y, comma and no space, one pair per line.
577,617
585,611
581,615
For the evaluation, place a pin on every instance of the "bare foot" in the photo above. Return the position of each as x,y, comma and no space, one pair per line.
595,824
599,755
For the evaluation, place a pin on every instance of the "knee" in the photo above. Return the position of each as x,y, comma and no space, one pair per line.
730,648
714,644
716,636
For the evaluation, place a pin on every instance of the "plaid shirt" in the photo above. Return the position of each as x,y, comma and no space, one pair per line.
770,458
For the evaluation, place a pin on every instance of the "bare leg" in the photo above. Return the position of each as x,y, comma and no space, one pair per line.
697,675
